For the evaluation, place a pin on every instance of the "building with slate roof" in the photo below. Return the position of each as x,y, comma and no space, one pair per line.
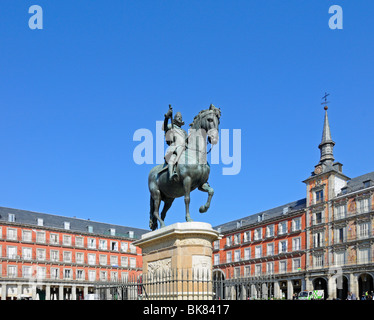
45,256
322,242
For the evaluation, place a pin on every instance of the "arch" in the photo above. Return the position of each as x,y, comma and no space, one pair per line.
365,284
342,287
321,284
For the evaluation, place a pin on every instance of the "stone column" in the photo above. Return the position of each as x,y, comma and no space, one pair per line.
277,294
48,292
331,287
74,292
289,289
3,291
61,292
353,284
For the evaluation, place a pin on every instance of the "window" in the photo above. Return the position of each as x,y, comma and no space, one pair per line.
124,246
258,269
340,211
270,249
257,234
319,196
103,259
296,264
91,243
53,238
54,255
114,276
282,228
11,217
26,253
55,273
282,266
228,257
114,245
270,267
363,230
90,229
80,274
12,271
26,271
79,257
132,263
66,240
296,224
40,272
363,205
132,248
247,271
318,261
258,252
318,218
216,245
79,241
237,255
340,258
236,272
339,235
270,231
237,239
40,222
40,254
228,241
247,236
112,231
103,244
318,239
12,252
216,259
124,262
91,275
67,225
11,234
283,246
26,235
296,244
91,257
247,253
67,256
103,275
68,274
367,184
114,261
40,237
363,255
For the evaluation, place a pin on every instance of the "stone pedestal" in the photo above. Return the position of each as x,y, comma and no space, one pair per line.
177,261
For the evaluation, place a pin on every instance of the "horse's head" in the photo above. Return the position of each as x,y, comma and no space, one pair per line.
208,120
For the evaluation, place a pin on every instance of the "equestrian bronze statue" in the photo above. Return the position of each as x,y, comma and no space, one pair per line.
186,167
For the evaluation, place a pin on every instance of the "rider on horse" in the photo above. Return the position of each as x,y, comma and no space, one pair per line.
175,137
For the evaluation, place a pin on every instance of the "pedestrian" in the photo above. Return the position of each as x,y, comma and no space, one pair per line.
353,296
349,296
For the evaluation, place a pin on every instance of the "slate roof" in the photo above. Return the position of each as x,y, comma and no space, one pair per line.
357,183
76,224
268,214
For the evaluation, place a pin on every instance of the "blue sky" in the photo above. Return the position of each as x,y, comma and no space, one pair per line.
73,94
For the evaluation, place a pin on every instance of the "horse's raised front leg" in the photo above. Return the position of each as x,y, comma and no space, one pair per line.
187,191
206,188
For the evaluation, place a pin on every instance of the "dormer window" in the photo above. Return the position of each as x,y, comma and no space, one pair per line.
367,184
67,225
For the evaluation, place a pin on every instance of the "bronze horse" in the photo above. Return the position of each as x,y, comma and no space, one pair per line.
193,169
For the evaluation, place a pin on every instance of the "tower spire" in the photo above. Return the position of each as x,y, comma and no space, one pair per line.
326,146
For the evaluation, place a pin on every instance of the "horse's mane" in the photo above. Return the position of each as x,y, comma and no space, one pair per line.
196,123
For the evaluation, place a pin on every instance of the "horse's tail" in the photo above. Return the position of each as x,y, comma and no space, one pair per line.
152,219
